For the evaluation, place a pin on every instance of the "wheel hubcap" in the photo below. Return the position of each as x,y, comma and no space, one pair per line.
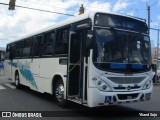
17,79
59,93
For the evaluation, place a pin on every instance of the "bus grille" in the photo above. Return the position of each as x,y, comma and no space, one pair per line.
126,80
127,96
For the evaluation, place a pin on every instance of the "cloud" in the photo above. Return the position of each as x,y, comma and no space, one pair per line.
130,13
99,6
120,5
18,23
155,24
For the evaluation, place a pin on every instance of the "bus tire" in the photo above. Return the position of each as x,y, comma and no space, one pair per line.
59,93
17,81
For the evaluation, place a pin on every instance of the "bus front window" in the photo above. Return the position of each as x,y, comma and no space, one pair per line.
139,49
109,47
113,46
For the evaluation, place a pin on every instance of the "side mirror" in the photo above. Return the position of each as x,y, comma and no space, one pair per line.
89,41
89,38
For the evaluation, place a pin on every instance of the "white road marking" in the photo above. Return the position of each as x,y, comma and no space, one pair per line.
10,85
1,87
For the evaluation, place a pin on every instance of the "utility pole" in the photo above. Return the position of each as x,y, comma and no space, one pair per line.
157,64
148,8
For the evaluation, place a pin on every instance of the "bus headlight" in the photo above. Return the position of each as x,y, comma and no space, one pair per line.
102,86
147,85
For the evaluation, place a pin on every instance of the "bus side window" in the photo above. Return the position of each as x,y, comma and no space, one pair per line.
31,47
7,52
38,48
26,47
49,43
18,49
12,51
62,39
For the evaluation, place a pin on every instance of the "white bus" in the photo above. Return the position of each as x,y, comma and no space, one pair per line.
94,59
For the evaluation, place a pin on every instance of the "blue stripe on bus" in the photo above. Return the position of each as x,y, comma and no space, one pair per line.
26,74
116,65
13,64
137,66
29,77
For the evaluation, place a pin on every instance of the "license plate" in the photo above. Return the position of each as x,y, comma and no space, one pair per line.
129,97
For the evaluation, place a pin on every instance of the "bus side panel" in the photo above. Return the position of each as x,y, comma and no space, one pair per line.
13,69
37,84
35,66
49,67
35,81
10,67
7,68
22,69
25,74
15,65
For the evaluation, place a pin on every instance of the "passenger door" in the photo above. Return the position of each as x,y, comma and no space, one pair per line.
74,65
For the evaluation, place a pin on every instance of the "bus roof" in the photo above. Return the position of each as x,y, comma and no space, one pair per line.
71,20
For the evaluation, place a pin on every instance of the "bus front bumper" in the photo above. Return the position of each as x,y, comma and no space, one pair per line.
99,98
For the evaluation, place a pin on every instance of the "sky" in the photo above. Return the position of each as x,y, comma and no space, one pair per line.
20,22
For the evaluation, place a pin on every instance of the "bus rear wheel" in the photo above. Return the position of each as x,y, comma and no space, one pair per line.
17,81
59,94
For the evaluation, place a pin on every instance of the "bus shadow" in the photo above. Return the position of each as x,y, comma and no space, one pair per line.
77,110
44,96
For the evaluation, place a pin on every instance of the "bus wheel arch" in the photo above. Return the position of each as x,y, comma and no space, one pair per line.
58,90
17,79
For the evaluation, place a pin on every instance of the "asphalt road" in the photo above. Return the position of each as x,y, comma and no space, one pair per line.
25,99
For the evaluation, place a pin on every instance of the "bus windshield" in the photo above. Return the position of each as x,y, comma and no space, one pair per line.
121,47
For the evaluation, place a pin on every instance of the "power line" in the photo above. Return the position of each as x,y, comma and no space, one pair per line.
74,3
39,9
60,5
154,3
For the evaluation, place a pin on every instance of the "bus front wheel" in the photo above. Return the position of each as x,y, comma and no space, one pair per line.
17,81
59,94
